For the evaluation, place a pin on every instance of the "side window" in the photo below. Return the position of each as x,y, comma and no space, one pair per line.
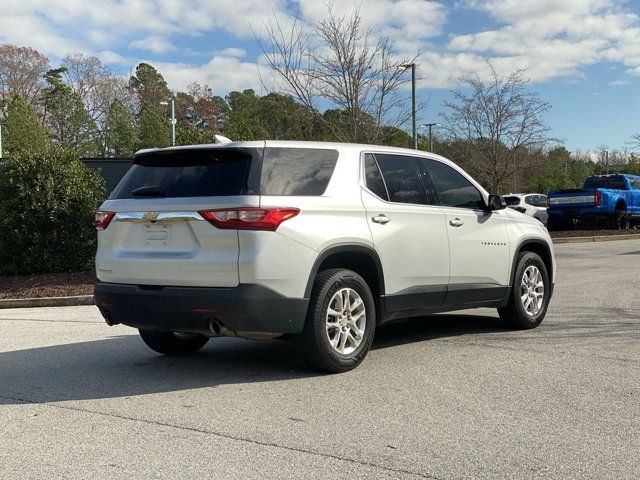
536,200
453,189
636,183
373,177
297,171
401,179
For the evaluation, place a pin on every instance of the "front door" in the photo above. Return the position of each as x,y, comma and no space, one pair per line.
478,243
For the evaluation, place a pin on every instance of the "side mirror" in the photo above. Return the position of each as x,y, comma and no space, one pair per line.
495,202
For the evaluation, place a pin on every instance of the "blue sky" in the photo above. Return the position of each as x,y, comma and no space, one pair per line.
583,56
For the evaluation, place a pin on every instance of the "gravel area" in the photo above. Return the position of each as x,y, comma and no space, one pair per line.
47,285
593,233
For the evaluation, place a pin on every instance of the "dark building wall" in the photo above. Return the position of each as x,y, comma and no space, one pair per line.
111,169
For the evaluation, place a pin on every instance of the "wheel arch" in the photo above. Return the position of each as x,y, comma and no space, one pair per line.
621,204
362,259
538,246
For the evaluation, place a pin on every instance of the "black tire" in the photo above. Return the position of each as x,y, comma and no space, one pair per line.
619,220
313,343
557,224
173,343
514,314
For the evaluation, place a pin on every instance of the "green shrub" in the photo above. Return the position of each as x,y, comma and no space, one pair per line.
47,203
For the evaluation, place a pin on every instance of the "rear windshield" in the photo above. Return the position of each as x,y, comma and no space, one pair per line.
511,200
616,183
297,171
188,173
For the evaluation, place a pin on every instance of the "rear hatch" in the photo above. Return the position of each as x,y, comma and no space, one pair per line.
156,235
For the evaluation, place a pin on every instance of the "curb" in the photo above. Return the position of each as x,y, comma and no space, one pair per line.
47,302
599,238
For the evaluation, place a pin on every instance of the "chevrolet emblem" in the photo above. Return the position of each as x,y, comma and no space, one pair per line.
150,217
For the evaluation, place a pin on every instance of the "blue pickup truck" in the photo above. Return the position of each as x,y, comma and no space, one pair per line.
609,201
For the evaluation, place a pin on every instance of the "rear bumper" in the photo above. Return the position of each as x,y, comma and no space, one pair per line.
578,212
245,308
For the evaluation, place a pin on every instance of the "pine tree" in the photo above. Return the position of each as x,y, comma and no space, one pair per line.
68,120
154,127
120,131
22,130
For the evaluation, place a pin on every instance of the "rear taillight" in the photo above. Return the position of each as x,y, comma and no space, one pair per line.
102,219
249,218
597,198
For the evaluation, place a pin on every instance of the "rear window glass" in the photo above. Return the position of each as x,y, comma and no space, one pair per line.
188,173
616,183
297,171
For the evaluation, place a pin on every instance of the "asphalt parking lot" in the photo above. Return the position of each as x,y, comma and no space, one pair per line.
447,397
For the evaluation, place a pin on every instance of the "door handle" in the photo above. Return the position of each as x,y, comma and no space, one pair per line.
456,222
381,218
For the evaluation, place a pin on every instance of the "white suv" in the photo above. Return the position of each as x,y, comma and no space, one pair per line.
324,241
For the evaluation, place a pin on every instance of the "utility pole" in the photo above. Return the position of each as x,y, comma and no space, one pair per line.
172,132
430,127
606,160
1,142
412,66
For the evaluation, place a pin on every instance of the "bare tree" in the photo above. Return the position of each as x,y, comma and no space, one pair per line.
93,82
22,72
494,121
336,65
634,143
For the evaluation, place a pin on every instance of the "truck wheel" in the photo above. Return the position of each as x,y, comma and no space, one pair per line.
529,297
620,220
340,323
557,224
173,343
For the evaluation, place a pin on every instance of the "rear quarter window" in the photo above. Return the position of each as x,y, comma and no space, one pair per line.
297,171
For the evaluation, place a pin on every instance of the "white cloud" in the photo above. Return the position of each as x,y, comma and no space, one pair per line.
153,43
553,38
619,83
222,73
232,52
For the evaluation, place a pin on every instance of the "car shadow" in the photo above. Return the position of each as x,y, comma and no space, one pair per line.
122,366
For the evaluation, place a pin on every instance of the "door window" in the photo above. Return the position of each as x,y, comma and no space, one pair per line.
452,188
373,177
401,178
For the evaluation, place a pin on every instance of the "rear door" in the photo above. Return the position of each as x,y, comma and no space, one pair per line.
408,232
478,242
158,236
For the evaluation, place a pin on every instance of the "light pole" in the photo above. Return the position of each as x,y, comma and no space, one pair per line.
430,126
172,133
0,142
412,66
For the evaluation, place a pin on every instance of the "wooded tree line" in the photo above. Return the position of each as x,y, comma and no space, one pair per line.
333,84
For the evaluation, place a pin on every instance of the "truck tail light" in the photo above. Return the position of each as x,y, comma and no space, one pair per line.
103,219
597,198
249,218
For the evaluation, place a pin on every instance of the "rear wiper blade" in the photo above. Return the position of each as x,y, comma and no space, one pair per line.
148,191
